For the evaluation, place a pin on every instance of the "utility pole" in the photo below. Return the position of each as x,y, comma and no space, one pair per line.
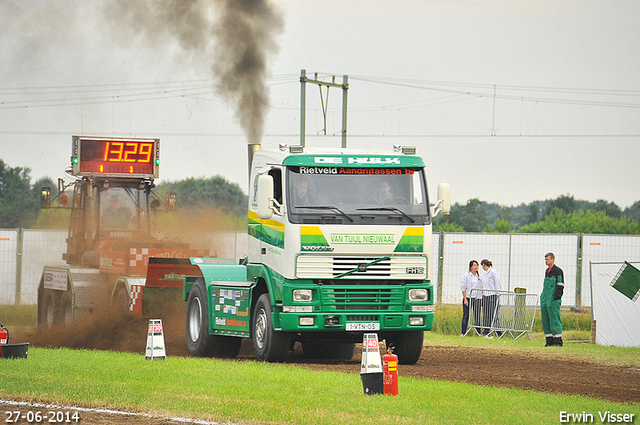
303,100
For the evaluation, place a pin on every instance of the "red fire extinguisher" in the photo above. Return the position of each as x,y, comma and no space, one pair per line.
390,372
4,334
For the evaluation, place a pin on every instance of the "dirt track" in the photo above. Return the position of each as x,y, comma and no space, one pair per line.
547,370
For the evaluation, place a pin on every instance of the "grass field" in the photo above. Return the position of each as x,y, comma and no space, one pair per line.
256,392
260,393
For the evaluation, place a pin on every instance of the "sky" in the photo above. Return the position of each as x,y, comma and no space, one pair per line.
507,101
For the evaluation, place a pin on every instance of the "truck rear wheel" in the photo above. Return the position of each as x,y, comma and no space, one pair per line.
270,345
407,346
199,342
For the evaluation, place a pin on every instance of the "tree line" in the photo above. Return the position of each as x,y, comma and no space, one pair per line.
20,200
20,207
564,214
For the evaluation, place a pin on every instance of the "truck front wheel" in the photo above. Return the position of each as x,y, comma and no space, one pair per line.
199,342
406,345
269,344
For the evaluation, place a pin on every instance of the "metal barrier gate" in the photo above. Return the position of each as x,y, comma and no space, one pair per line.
502,312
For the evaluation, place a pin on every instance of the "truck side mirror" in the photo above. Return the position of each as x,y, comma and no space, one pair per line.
171,199
45,198
444,195
444,200
265,196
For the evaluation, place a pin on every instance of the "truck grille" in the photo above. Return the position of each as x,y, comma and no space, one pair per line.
367,298
345,264
329,267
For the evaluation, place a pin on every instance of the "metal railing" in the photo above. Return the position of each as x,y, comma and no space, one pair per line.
502,313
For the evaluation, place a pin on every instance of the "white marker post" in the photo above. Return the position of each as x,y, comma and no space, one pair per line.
155,341
371,366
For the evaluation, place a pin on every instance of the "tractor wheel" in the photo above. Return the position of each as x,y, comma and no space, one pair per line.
66,308
270,345
50,309
121,302
199,342
407,345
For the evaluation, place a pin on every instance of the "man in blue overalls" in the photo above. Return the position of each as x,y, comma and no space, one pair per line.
550,302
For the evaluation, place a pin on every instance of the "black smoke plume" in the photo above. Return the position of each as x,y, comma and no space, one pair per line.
236,37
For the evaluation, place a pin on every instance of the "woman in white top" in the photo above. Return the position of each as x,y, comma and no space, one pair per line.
490,303
470,281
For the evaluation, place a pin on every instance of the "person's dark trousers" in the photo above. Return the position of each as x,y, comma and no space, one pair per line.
476,307
489,304
465,316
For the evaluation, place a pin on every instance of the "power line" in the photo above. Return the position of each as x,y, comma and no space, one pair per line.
433,86
418,83
456,92
313,135
114,98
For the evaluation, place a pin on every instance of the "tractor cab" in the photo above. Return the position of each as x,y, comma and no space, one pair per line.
113,205
112,215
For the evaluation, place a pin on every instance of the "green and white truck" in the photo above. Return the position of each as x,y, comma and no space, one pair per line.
339,245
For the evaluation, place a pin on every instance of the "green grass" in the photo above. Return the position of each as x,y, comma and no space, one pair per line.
260,393
256,392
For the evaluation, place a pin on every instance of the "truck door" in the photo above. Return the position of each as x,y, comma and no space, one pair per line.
265,236
274,230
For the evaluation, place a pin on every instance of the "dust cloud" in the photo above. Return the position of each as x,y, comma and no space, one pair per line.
104,329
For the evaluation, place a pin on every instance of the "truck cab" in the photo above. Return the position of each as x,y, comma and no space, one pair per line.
340,245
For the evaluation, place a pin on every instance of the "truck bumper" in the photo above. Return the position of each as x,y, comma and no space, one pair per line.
354,322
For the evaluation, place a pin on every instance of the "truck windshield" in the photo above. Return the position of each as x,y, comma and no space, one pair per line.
393,196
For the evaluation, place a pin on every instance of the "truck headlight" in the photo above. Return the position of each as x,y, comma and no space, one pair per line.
416,321
306,321
417,294
302,295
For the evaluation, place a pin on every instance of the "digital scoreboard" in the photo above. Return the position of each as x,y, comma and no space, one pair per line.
115,157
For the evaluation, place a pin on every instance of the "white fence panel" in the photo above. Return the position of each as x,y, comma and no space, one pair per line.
518,259
39,248
460,248
606,248
616,316
435,264
8,251
527,265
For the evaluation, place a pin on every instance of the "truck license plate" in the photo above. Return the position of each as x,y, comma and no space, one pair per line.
362,326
